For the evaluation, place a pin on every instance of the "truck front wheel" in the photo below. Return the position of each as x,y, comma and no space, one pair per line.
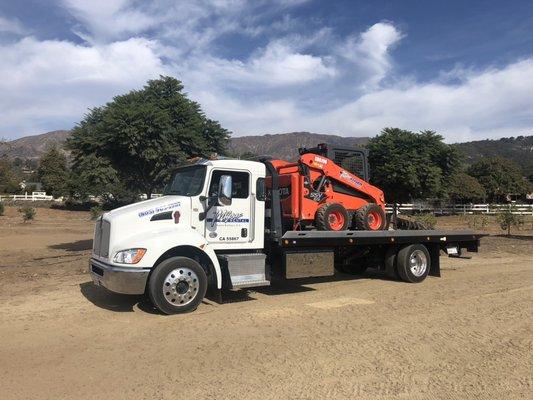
413,263
177,285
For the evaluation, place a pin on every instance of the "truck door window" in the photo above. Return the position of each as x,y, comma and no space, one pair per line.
260,190
240,183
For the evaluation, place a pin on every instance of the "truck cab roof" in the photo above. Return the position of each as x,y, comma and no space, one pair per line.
254,167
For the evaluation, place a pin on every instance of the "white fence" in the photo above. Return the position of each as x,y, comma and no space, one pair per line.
42,196
522,209
35,196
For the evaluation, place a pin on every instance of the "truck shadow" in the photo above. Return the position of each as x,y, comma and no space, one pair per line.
128,303
115,302
287,287
79,245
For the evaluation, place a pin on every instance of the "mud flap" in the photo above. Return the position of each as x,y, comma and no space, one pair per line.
434,253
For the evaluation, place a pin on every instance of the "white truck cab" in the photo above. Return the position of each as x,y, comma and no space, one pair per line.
211,206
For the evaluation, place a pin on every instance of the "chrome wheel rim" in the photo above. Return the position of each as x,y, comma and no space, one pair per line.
180,286
418,263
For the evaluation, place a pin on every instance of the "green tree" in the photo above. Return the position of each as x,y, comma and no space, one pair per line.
53,172
499,177
465,188
508,218
140,136
408,165
93,175
8,179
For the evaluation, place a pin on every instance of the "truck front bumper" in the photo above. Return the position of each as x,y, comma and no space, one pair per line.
125,280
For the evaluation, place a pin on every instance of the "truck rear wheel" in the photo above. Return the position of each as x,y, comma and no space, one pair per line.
177,285
331,217
370,217
413,263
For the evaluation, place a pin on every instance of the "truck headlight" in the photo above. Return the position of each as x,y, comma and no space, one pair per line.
129,256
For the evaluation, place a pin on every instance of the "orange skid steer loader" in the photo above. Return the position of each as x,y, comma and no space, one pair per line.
327,189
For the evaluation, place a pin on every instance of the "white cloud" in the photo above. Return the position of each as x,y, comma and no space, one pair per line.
276,65
11,26
108,19
490,103
58,80
370,51
298,78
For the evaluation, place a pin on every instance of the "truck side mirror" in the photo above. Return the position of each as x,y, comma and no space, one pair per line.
225,187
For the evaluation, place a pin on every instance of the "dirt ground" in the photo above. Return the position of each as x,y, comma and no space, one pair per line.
467,334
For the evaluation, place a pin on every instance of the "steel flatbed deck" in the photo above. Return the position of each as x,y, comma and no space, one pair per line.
463,238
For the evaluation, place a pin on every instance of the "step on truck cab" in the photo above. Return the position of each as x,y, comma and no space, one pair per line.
217,227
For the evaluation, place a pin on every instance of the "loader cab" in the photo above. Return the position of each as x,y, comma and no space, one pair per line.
352,160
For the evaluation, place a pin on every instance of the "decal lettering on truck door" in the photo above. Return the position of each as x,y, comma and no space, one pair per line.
227,217
230,223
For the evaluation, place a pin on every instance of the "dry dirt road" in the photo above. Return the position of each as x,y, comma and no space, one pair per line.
465,335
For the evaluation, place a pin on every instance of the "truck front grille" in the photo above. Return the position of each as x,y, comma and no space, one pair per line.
101,238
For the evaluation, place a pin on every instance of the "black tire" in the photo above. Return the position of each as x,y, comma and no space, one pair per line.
362,217
322,219
413,273
177,285
409,224
390,263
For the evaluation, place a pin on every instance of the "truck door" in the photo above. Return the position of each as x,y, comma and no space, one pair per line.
230,224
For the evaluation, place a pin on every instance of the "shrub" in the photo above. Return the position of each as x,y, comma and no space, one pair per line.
429,220
28,213
96,211
507,219
477,221
1,208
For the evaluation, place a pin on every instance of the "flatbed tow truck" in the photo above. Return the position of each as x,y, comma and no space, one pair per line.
224,224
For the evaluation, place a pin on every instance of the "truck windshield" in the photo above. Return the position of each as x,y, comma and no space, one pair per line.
186,181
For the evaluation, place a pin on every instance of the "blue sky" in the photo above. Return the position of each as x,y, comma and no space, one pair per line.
463,68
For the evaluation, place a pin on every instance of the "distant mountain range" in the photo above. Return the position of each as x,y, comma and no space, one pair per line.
31,147
518,149
285,146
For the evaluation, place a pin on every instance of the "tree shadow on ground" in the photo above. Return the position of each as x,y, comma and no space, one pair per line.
79,245
519,237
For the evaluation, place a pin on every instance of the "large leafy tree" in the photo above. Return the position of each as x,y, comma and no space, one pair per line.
8,179
465,188
137,139
499,177
53,172
408,165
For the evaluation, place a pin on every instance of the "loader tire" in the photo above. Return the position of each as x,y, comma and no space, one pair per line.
332,217
409,224
370,218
